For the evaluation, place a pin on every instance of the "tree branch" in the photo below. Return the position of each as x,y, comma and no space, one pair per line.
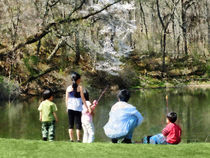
32,78
53,3
70,46
77,8
87,16
46,30
188,3
159,15
59,44
144,20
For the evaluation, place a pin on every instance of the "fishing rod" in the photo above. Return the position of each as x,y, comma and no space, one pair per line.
102,94
165,109
166,104
95,102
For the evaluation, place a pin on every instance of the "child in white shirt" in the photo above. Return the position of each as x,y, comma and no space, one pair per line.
87,120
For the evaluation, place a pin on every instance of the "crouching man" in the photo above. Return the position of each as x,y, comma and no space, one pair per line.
123,119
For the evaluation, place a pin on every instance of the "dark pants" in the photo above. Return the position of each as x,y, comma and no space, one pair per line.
75,118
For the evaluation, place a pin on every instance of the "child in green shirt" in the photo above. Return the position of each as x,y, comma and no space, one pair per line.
48,116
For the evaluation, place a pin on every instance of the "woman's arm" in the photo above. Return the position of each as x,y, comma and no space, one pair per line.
67,96
83,99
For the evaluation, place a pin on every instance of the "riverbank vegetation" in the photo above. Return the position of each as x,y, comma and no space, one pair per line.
122,43
10,148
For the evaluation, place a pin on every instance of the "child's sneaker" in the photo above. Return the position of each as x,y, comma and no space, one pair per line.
45,139
146,140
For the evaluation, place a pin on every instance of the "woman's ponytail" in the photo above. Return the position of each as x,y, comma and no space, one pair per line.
74,77
74,86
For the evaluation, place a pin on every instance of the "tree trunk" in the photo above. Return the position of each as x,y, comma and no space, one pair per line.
163,39
174,33
184,27
77,48
164,53
178,46
144,19
208,21
130,35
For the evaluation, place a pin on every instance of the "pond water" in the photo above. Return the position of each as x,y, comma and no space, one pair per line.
20,118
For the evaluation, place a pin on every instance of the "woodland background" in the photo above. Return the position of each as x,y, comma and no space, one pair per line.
122,43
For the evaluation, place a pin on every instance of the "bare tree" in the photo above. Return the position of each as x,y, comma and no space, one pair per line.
165,21
208,21
186,4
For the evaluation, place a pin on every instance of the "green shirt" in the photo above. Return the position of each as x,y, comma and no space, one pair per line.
47,108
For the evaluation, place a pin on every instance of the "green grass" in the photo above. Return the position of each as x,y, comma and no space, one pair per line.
14,148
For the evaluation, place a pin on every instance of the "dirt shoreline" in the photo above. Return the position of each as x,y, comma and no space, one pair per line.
202,85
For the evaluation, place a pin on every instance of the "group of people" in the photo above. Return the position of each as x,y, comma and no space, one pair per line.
123,118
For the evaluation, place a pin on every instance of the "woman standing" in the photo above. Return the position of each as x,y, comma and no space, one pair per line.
74,102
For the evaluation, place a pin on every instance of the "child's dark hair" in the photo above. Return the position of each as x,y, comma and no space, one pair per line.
123,95
74,77
47,94
86,95
172,117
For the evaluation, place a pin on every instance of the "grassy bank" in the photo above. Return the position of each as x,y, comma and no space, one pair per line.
11,148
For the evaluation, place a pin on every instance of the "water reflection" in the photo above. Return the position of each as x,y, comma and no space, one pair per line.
20,119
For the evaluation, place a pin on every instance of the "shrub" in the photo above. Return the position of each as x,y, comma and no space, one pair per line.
9,88
208,70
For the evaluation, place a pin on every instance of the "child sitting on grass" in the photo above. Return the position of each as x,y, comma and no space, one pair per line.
172,131
171,134
87,120
48,116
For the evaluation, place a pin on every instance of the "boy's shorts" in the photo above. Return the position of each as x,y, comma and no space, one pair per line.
48,130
